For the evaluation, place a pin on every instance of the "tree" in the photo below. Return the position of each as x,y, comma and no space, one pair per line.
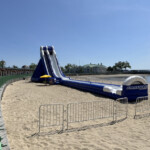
119,65
68,67
79,69
74,68
114,68
14,66
110,69
62,69
24,67
122,65
2,64
126,65
32,66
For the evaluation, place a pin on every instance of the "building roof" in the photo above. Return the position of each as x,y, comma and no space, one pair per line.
94,65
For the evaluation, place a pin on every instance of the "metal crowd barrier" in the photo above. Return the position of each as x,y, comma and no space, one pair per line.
51,115
55,114
85,111
121,108
142,107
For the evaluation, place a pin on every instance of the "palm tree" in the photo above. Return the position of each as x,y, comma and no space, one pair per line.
2,64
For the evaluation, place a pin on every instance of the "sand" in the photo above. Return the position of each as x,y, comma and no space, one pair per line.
20,105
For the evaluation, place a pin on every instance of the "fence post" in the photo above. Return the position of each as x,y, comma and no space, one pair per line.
63,119
126,107
113,111
135,108
93,110
39,118
139,107
121,100
51,115
116,110
67,116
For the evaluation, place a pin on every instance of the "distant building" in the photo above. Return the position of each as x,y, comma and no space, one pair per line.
94,68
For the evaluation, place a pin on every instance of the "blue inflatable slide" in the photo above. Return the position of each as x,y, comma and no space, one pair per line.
132,87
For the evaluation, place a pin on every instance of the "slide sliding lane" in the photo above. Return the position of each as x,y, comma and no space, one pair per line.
47,63
55,66
59,66
132,87
110,90
44,61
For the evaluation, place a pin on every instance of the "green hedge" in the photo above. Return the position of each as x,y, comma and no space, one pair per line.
4,79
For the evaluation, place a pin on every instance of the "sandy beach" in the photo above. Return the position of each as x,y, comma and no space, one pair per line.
20,106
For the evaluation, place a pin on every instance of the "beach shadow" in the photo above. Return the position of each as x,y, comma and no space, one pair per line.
141,100
78,129
45,85
29,82
42,85
94,126
142,116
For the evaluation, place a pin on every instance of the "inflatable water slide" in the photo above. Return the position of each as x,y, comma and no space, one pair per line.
132,87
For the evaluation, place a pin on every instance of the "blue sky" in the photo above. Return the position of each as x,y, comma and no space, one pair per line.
82,31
